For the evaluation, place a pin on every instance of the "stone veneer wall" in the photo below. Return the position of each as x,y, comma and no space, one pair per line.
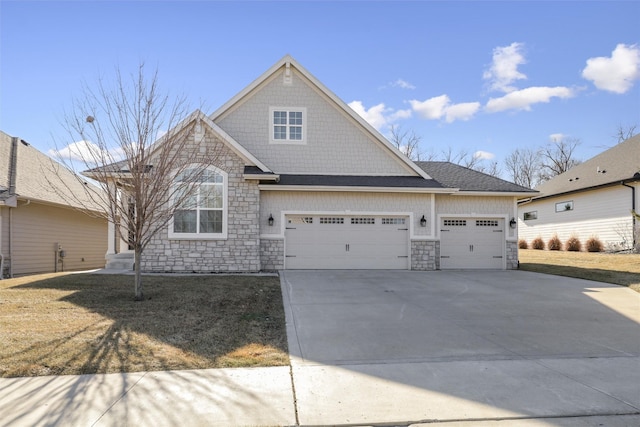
425,255
512,255
271,254
239,252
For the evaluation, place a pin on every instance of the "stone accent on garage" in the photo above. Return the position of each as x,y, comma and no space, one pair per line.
425,254
512,255
271,254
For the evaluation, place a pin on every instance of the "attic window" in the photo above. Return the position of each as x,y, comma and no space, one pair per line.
288,125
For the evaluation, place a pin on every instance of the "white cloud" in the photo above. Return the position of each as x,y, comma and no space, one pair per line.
82,151
463,111
441,107
432,108
483,155
374,115
403,84
504,68
523,99
557,137
616,73
399,115
379,115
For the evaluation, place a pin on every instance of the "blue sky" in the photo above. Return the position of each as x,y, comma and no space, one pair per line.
476,76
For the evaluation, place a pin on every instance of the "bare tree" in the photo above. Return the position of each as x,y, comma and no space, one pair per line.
558,157
408,142
622,133
144,181
523,167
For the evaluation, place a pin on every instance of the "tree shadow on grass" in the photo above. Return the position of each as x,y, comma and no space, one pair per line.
185,322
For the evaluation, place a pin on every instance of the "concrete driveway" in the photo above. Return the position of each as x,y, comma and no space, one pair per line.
403,347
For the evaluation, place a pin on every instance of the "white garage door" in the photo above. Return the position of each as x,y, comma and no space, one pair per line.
345,242
472,243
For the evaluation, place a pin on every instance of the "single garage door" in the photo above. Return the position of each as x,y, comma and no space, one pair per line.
346,242
472,243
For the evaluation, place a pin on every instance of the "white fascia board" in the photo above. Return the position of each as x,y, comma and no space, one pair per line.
261,177
493,193
327,188
329,94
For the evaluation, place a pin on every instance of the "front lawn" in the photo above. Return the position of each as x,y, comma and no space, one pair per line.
619,269
61,323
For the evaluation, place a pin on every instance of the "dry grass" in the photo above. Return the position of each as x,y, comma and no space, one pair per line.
619,269
81,323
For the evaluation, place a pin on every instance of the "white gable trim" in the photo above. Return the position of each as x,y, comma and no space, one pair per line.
288,61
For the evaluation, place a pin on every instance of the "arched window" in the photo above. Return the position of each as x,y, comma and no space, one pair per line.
202,213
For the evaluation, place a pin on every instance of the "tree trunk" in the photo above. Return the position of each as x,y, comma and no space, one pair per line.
138,281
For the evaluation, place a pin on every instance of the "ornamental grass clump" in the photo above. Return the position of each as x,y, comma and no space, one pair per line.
555,244
594,245
537,243
522,244
573,244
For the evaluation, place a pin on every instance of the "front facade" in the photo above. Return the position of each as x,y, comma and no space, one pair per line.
39,231
593,199
304,183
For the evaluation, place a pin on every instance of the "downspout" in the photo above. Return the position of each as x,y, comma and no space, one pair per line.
633,208
13,173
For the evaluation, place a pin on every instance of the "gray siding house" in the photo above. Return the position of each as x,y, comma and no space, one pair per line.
36,223
306,183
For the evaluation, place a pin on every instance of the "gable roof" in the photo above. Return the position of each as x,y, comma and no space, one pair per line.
452,175
120,167
38,177
287,61
617,164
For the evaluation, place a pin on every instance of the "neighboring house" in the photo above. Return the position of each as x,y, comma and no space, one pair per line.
594,198
306,183
36,223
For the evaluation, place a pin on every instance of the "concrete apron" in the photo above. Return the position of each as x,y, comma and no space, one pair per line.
401,347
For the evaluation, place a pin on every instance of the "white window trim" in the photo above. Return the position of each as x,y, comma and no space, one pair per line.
225,210
302,141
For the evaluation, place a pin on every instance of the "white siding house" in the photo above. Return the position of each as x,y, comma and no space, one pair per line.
593,199
309,184
36,223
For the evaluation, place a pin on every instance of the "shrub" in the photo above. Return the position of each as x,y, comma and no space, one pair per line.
537,243
522,244
555,244
594,245
573,244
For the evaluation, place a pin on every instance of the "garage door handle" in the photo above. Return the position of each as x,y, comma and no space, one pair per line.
290,256
290,228
403,256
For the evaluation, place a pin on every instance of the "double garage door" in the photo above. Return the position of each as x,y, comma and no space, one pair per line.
472,243
346,242
382,242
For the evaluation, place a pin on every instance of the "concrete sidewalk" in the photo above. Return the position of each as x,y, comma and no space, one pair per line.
449,349
211,397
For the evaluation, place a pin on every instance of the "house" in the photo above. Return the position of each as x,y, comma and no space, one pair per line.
594,198
306,183
40,232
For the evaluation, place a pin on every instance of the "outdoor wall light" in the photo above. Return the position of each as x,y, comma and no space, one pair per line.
513,223
270,220
423,221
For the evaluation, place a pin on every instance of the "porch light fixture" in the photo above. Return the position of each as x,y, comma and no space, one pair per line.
513,223
270,220
423,221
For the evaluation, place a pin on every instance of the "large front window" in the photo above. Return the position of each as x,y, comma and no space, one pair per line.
201,213
287,125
